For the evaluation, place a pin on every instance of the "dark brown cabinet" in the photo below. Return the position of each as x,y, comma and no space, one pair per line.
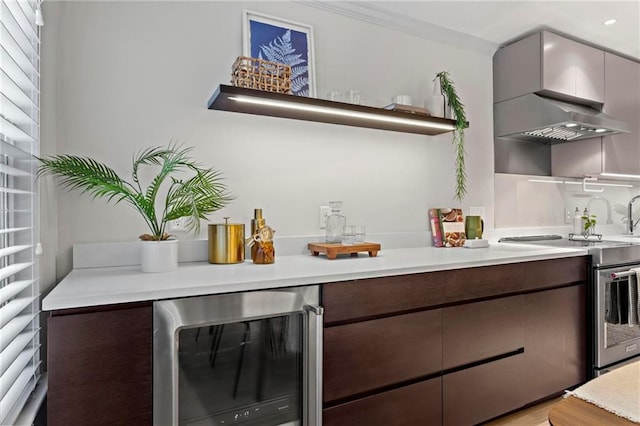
363,299
446,347
99,367
415,404
476,394
478,333
555,340
368,355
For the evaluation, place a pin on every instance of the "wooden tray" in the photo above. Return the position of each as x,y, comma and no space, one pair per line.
334,249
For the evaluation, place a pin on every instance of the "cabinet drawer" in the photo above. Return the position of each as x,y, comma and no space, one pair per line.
480,393
418,404
481,330
488,281
379,296
368,355
553,273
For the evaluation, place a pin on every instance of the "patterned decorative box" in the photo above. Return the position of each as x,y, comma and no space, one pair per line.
255,73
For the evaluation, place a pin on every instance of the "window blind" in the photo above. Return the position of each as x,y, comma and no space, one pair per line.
19,142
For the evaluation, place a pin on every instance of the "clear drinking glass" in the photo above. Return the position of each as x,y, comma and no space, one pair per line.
360,232
354,97
336,96
348,235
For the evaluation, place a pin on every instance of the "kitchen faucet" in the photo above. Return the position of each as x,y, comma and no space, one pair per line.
632,225
609,220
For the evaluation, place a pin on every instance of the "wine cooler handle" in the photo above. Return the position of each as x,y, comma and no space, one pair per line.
312,408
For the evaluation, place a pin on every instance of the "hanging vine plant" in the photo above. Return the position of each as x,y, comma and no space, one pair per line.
449,91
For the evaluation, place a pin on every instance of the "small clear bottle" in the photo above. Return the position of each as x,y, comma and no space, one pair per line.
335,222
577,223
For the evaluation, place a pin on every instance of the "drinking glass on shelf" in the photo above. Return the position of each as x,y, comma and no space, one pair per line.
360,232
348,235
335,96
354,97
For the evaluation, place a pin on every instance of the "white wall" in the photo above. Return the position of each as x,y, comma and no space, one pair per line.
121,76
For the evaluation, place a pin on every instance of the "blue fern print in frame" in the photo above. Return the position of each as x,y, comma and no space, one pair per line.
286,46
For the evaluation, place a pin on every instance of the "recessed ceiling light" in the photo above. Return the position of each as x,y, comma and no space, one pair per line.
600,130
610,21
571,125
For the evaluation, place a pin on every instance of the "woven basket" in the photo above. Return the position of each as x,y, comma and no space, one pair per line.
254,73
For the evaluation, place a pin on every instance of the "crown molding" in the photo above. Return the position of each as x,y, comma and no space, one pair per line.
368,12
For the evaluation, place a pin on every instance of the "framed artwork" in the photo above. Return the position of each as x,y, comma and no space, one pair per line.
277,40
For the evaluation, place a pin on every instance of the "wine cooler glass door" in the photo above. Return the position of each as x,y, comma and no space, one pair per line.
235,368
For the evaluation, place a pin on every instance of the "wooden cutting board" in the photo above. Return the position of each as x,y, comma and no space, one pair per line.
332,250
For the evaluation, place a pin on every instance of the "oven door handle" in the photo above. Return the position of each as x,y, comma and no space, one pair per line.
628,273
312,389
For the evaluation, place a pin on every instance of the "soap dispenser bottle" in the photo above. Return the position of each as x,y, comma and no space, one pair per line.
577,223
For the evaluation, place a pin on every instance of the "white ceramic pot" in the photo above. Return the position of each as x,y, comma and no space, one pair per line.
159,256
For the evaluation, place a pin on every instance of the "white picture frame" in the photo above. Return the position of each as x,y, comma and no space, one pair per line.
283,41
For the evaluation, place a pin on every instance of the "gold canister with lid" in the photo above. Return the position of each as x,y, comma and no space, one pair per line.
226,242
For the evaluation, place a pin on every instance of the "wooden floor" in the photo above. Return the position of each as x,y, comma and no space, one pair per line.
532,416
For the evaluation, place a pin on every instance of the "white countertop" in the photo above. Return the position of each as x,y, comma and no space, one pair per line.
104,286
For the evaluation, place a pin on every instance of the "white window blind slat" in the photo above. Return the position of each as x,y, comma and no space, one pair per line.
16,85
10,270
13,309
19,228
2,211
17,116
13,18
15,191
15,81
17,55
13,230
12,373
18,394
12,289
28,14
11,36
14,152
13,329
15,348
13,171
14,132
7,251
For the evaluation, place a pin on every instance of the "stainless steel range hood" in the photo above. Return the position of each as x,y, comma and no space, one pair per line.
533,117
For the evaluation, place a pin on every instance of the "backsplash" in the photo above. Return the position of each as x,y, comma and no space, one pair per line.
541,201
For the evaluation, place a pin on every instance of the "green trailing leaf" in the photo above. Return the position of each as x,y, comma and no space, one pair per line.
193,198
449,91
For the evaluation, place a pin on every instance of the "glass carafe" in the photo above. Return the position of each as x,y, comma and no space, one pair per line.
335,222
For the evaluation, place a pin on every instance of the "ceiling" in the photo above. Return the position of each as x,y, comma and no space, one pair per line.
486,25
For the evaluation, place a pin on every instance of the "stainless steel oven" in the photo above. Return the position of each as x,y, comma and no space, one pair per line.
617,329
252,358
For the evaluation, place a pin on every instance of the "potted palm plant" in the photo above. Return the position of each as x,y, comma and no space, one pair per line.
190,191
457,107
